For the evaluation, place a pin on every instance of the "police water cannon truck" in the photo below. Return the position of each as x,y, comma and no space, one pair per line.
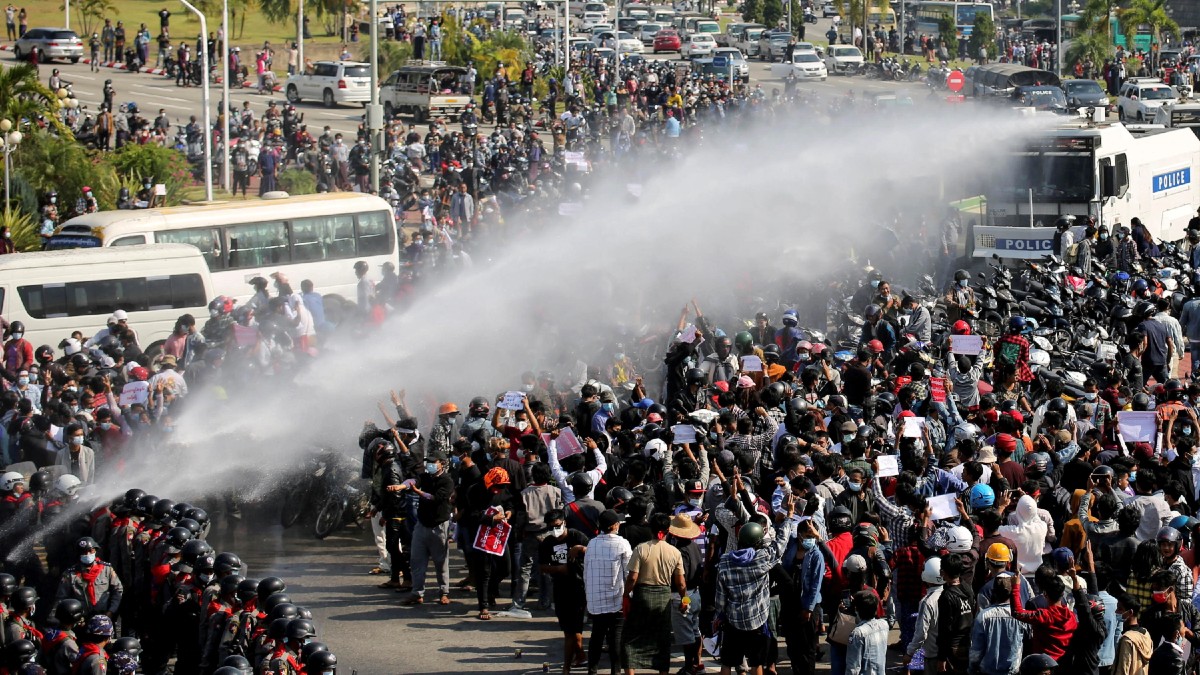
1089,167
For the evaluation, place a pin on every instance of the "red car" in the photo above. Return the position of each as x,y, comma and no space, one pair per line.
667,41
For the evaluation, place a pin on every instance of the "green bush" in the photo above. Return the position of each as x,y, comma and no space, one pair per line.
24,229
297,182
48,162
164,165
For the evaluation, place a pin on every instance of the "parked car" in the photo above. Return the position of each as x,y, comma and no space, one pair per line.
741,68
50,43
1083,93
332,83
840,58
804,65
1140,98
698,44
648,31
667,40
773,46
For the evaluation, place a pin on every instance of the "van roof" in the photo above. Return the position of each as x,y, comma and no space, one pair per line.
321,205
92,256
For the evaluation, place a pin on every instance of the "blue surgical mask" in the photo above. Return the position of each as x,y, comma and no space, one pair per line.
854,487
1103,237
1089,395
87,558
808,544
963,282
455,461
1132,476
874,284
431,467
23,381
1186,431
77,440
609,408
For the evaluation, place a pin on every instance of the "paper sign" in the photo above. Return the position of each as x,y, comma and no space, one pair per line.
937,389
1137,425
913,427
160,190
751,364
134,392
943,506
888,466
689,334
570,209
684,433
571,157
969,345
567,444
492,538
513,400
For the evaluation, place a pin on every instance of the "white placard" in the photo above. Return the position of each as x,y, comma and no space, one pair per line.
684,433
751,364
688,334
1137,425
570,209
134,392
942,507
913,427
969,345
513,400
160,190
888,466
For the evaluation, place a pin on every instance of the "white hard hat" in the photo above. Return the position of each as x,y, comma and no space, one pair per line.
960,540
67,484
9,481
932,573
120,315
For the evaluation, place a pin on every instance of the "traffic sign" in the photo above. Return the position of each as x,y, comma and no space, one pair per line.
720,62
955,81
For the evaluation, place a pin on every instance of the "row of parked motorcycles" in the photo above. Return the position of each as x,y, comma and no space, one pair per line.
1077,324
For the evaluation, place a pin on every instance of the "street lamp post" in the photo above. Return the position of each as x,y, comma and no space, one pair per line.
227,109
206,99
12,138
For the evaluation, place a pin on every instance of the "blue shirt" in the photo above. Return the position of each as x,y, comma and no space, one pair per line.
1108,648
672,127
996,640
812,573
867,652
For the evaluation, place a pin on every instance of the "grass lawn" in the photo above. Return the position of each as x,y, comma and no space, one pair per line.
185,25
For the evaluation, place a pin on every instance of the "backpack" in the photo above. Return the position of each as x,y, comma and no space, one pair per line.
1072,255
1008,354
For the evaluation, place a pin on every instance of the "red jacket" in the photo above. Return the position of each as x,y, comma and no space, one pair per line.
1052,627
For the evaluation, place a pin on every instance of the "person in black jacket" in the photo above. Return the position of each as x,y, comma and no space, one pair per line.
391,504
1170,657
1083,652
431,533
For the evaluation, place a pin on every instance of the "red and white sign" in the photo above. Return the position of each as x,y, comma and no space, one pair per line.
955,81
492,538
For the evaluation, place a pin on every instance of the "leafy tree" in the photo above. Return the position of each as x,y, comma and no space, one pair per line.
772,12
983,35
91,14
23,96
1152,13
948,33
751,11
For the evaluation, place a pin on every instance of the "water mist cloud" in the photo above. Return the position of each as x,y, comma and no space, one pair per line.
744,215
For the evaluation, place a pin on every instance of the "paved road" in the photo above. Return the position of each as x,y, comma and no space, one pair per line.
369,628
154,92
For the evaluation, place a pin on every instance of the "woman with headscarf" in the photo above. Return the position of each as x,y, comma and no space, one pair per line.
1028,532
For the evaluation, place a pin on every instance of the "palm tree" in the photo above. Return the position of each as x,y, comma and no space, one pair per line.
24,96
1151,13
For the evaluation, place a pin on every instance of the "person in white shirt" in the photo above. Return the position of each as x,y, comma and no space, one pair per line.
604,584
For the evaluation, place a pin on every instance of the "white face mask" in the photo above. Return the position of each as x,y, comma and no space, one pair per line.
522,425
22,381
694,502
559,531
